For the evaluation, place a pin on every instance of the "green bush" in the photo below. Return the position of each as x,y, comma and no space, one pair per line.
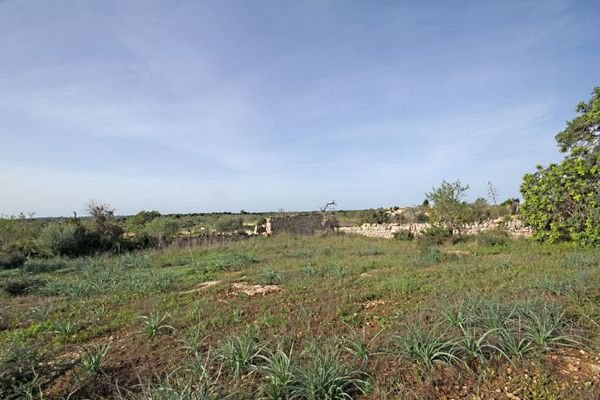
57,239
11,260
21,286
561,200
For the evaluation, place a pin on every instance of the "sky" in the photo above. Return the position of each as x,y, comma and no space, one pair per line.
200,106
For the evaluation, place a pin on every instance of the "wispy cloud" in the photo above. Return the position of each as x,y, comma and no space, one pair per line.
219,105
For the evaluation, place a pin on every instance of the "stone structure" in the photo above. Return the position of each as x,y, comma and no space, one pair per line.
299,224
513,227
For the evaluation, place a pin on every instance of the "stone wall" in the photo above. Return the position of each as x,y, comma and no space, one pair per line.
513,227
300,224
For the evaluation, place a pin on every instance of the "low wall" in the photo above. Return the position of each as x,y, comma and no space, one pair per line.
513,227
300,224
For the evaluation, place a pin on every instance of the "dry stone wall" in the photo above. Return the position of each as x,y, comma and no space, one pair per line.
513,227
300,224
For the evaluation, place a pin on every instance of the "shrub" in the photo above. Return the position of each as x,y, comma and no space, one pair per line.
21,286
404,235
20,367
11,260
372,216
435,236
58,239
493,238
228,224
49,265
160,230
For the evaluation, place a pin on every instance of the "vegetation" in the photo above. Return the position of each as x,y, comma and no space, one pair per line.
355,318
562,201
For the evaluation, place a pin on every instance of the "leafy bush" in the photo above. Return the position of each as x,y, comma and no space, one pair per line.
11,260
561,200
21,286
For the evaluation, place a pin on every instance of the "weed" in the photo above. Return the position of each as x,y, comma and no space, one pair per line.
234,261
278,374
154,324
326,377
359,346
92,356
241,353
545,325
20,367
65,328
426,346
309,270
271,277
512,342
580,260
475,346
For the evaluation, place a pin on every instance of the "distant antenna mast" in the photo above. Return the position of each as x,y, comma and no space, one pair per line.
492,192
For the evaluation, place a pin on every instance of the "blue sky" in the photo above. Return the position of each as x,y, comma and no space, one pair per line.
188,106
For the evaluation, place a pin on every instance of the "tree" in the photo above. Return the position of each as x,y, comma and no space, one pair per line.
160,229
447,206
562,201
583,132
105,223
492,192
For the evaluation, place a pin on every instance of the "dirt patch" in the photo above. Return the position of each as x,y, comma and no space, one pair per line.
253,290
579,365
201,287
370,273
458,252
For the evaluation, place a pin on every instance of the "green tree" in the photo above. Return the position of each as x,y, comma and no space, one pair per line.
160,230
447,206
562,201
105,224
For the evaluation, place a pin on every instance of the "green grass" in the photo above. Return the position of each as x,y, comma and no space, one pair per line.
397,311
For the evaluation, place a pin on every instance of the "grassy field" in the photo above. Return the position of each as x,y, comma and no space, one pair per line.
339,317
